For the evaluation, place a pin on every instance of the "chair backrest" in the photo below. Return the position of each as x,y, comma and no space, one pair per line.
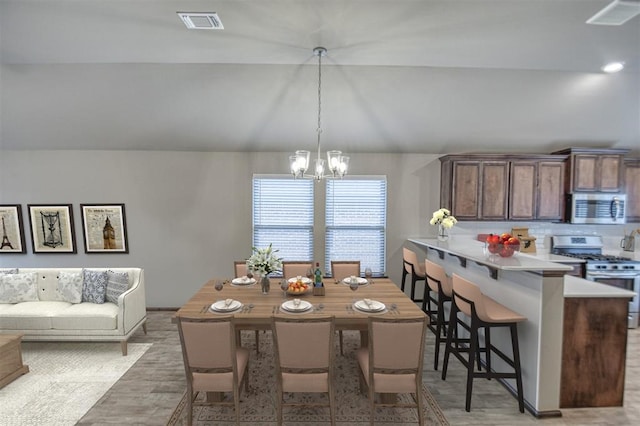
435,274
303,343
344,268
411,259
396,345
208,343
240,268
292,269
473,295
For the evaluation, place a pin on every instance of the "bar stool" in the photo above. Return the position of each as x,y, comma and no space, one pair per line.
438,284
486,313
410,265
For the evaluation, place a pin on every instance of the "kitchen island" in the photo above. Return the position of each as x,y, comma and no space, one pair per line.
532,287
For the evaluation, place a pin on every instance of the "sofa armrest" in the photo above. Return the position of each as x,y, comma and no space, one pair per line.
132,305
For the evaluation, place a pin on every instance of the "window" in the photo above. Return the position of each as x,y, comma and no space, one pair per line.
283,216
356,218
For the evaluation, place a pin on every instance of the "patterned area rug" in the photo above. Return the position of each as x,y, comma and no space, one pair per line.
64,381
257,407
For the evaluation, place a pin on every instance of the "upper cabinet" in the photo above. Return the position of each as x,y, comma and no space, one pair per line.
594,170
501,187
632,188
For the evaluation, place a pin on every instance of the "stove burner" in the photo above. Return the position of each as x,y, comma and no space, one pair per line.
598,257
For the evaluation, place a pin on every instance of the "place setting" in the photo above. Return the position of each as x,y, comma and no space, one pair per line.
243,281
296,306
369,306
225,306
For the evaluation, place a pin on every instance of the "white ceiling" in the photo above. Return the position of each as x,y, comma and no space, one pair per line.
400,76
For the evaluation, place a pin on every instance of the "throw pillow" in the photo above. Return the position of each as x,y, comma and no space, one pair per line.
70,286
9,271
118,283
94,286
16,288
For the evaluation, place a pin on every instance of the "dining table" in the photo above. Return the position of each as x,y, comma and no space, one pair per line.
337,300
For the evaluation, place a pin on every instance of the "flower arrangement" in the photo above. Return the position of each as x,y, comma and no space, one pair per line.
264,261
443,217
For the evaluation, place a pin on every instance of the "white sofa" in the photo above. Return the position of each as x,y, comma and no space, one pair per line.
50,319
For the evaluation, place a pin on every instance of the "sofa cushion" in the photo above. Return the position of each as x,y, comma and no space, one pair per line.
117,283
94,286
16,288
30,315
70,287
86,316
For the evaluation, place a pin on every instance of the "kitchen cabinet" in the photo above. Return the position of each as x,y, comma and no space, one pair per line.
632,188
594,170
503,187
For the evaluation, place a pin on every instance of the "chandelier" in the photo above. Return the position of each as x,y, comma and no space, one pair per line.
337,163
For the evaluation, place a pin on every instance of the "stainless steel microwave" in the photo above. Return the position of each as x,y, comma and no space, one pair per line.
602,208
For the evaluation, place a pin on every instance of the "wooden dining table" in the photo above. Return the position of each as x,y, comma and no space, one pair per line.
337,301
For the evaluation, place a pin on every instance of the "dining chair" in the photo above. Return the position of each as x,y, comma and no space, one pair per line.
411,266
485,313
392,361
292,269
341,269
240,270
304,359
212,361
438,293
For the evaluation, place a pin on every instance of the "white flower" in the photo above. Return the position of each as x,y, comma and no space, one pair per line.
264,261
443,216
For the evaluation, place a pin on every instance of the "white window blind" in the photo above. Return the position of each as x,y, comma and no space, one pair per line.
356,220
283,216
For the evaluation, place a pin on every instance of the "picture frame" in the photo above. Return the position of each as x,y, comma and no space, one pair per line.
12,229
104,228
52,230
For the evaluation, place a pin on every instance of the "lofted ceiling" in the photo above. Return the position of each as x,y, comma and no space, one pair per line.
401,76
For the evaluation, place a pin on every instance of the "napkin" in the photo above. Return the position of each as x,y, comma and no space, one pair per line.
227,302
368,302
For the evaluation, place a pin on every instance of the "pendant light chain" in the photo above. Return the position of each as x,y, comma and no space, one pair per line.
319,130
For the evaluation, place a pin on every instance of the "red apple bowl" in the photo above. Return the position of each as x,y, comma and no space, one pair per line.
501,245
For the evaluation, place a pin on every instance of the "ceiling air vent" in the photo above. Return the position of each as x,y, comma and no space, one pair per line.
617,13
201,20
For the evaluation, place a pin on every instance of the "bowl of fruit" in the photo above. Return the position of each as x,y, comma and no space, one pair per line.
299,286
503,245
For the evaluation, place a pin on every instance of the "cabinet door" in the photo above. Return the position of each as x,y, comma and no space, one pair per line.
522,190
608,173
632,188
550,191
494,183
584,174
466,181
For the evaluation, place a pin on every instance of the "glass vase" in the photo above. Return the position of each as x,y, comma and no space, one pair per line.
443,233
265,285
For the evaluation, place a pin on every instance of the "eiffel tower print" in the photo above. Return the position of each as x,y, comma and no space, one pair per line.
5,238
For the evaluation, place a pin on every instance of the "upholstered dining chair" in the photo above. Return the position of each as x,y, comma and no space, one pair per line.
392,361
304,359
212,361
437,293
292,269
341,269
240,270
411,266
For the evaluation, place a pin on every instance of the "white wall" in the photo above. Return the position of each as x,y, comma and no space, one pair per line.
189,213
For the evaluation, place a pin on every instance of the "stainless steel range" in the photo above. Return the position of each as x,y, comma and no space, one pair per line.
617,271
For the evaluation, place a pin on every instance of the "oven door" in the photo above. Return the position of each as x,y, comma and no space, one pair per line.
626,281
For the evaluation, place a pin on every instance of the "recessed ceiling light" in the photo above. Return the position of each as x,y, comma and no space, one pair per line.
201,20
613,67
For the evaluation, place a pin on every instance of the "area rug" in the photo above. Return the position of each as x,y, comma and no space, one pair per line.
64,381
257,407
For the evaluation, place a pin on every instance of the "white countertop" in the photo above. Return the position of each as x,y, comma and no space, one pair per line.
473,250
578,287
553,257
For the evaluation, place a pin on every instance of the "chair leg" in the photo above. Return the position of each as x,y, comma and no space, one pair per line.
279,407
487,350
439,330
516,364
473,346
404,277
372,404
419,401
341,342
453,325
332,405
189,406
257,341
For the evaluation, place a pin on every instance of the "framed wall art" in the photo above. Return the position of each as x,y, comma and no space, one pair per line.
104,227
52,228
12,229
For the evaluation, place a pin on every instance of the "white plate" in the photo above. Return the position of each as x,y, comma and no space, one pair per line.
304,280
220,306
243,281
374,306
290,306
361,281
